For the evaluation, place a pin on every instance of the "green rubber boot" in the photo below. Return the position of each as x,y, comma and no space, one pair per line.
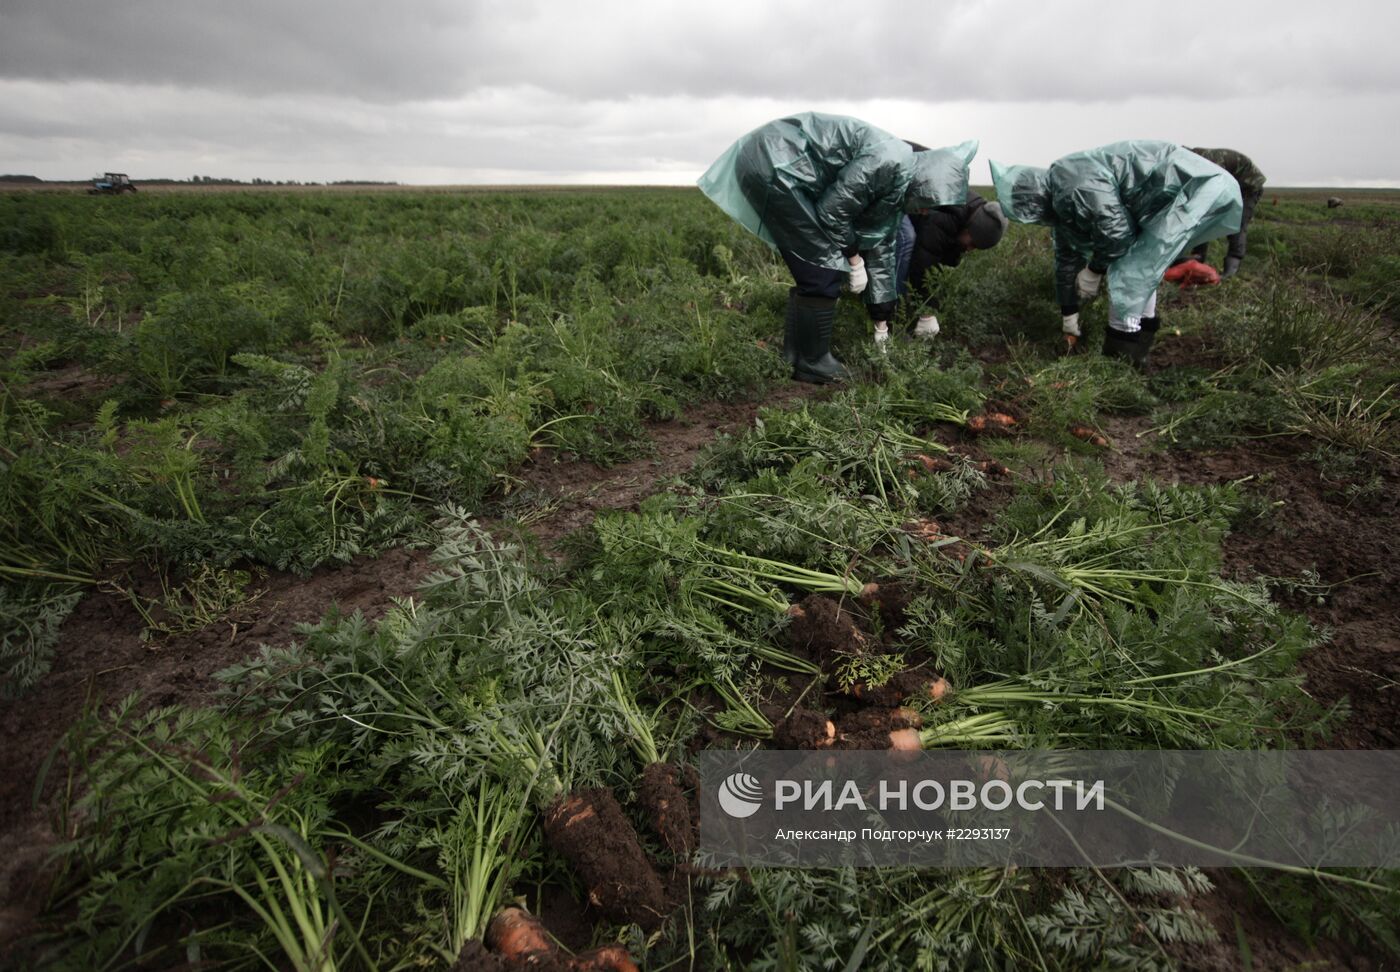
813,319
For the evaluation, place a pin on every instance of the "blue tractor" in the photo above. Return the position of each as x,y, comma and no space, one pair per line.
111,184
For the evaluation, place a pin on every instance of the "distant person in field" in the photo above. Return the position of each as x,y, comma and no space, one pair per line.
938,238
1124,211
830,193
1251,181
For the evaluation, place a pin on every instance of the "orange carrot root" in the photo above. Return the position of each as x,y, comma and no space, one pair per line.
609,958
1086,434
517,935
906,740
938,689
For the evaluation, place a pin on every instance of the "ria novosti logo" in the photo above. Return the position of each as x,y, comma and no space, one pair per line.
740,795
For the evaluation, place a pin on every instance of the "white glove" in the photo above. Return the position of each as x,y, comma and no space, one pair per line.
1131,325
882,336
1086,284
1070,325
858,278
927,327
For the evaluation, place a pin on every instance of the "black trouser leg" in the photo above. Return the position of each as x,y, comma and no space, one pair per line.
1234,256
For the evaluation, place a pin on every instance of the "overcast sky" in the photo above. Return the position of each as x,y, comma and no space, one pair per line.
439,92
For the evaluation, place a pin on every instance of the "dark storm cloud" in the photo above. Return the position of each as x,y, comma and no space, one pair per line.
381,52
543,90
371,50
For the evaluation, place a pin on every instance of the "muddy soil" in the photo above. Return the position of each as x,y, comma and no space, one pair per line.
571,493
1347,539
101,656
1238,914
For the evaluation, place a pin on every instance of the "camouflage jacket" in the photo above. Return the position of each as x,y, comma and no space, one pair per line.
1239,165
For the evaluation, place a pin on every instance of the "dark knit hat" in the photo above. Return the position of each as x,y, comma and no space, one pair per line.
985,226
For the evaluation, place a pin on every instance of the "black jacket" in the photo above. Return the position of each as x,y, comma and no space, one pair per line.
936,237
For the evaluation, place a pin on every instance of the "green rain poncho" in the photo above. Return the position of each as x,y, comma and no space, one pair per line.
823,186
1132,207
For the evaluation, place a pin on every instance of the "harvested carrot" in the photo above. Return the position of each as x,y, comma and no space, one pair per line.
938,688
521,940
991,422
1086,434
906,740
516,935
609,958
932,464
590,831
870,590
991,468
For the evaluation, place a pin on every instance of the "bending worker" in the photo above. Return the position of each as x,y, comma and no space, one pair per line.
940,238
1251,181
830,194
1126,211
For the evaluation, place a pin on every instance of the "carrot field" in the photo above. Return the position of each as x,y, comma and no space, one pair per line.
374,566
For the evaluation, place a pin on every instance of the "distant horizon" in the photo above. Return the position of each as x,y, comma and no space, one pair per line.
22,178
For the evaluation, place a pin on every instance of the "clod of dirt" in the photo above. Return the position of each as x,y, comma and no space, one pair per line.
804,729
885,720
909,684
588,828
891,598
878,728
475,958
822,628
672,814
